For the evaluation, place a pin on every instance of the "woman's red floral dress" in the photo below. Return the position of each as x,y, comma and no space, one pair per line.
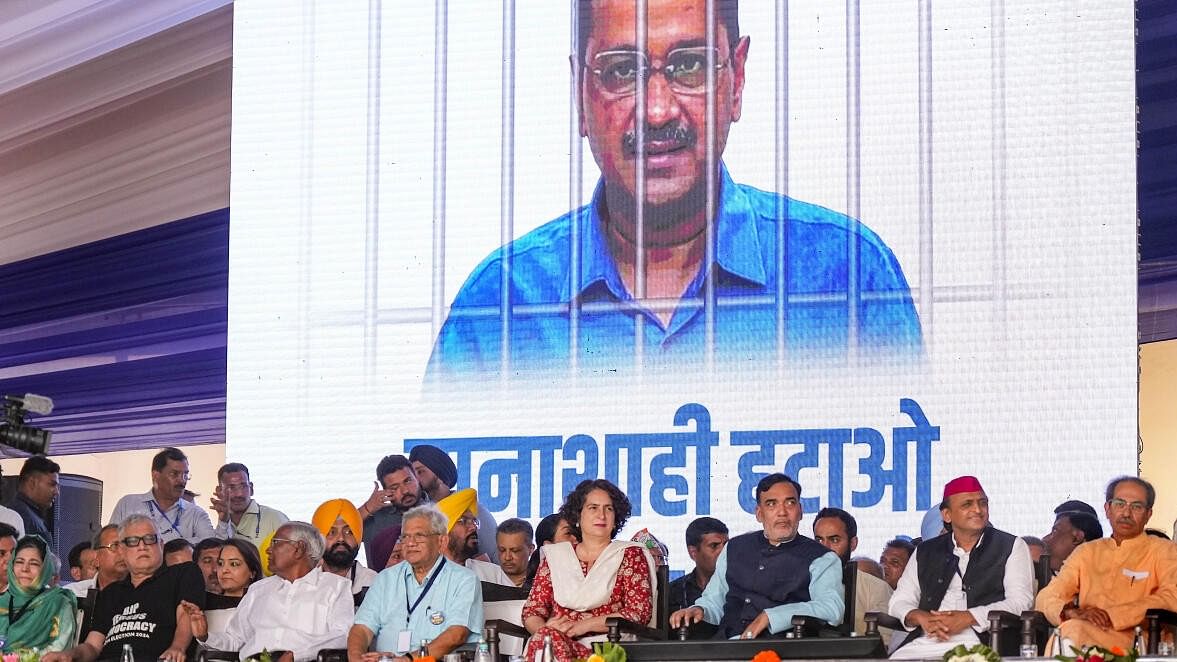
632,598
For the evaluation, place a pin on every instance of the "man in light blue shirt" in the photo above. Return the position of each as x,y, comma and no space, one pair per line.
424,597
764,578
164,502
788,278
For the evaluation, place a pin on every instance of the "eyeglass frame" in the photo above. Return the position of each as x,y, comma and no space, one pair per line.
417,538
139,541
1136,507
645,67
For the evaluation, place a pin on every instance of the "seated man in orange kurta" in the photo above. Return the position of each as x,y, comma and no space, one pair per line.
1117,579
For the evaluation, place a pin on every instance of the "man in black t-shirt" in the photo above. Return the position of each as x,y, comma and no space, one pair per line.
143,609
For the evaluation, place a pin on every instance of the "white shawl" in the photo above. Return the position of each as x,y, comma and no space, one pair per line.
575,590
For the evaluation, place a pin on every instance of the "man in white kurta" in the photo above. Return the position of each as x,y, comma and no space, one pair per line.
985,570
300,609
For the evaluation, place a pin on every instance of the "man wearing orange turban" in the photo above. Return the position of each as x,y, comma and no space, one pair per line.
341,524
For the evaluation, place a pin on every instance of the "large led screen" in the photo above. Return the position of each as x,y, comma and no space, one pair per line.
882,244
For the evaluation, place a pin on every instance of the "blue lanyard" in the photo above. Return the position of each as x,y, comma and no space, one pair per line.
428,585
173,526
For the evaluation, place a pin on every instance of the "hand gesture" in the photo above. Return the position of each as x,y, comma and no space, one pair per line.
688,616
196,620
954,622
379,499
220,504
1092,615
172,654
756,627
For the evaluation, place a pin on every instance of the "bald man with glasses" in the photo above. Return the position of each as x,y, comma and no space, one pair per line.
144,608
1116,579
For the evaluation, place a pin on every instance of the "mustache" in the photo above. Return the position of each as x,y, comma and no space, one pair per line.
677,134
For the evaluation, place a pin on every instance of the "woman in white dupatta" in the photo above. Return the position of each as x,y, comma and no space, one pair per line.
579,585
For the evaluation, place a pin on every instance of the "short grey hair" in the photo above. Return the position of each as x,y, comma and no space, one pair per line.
97,541
438,523
312,541
134,519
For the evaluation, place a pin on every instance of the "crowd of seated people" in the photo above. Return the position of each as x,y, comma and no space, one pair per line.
166,581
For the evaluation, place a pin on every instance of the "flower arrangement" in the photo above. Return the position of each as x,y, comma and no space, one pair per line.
22,655
606,652
978,653
1100,654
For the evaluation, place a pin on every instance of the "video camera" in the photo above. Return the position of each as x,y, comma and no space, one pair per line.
13,431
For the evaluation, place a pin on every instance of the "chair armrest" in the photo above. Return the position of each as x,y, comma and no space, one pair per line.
332,655
879,619
808,626
1163,616
1034,623
615,626
999,620
501,627
1153,620
212,654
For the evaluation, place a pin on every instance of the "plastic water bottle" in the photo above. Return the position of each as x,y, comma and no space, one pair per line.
548,654
423,651
128,654
1138,642
483,652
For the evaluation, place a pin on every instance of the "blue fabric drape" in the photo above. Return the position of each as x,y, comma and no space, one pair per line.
127,335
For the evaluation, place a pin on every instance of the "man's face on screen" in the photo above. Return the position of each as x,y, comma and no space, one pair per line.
676,99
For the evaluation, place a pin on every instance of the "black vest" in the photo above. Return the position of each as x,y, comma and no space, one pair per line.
760,576
983,581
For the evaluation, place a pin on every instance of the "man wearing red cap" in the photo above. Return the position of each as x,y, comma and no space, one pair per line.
955,579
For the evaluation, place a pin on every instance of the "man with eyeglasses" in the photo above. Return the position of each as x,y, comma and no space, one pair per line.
644,256
239,515
111,568
300,608
397,490
144,608
164,503
426,596
954,580
1116,579
461,547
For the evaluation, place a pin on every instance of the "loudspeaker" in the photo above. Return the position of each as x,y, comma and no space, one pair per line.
76,516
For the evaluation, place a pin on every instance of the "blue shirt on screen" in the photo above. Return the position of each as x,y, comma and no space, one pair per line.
747,274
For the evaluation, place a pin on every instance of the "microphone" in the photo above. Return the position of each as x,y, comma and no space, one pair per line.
37,404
